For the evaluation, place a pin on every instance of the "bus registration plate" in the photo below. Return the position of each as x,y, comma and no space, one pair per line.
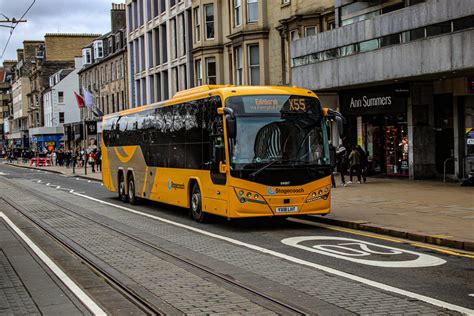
287,209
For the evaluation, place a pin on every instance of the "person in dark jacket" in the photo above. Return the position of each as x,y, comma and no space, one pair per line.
341,158
363,162
354,160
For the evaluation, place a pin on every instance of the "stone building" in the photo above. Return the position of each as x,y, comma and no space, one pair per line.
21,87
5,99
403,72
104,75
246,42
57,52
159,46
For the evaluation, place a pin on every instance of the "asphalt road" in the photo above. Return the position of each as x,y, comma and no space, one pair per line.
416,268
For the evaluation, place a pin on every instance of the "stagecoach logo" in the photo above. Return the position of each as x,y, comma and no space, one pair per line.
176,186
272,191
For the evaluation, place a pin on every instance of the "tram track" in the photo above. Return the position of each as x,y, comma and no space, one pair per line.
135,296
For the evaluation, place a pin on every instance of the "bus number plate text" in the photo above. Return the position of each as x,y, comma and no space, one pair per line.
287,209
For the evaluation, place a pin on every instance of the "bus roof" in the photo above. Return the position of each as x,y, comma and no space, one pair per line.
224,90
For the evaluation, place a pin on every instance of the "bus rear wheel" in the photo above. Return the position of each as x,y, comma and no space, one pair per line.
196,205
122,192
132,198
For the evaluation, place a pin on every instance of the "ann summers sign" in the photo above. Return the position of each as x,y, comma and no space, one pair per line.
372,101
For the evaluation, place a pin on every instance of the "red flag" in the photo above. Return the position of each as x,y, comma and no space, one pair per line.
80,100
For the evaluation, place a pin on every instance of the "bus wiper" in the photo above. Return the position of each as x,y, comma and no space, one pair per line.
253,174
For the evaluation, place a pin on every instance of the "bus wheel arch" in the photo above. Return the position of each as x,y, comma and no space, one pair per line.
122,186
131,191
195,207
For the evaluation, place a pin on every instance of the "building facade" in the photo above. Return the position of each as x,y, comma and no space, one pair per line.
5,100
403,72
104,75
159,49
246,42
59,106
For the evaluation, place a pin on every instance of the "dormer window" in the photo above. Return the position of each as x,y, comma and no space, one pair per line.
87,56
98,49
51,81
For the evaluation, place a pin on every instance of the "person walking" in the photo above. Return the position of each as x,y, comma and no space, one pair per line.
363,162
92,160
98,160
354,160
332,158
341,158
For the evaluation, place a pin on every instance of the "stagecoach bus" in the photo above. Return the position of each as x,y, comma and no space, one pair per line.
233,151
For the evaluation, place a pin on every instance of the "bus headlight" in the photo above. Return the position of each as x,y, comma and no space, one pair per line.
248,196
318,194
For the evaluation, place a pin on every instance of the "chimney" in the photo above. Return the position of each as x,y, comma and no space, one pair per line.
117,15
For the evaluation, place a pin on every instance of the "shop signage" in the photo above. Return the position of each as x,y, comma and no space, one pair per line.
91,128
374,101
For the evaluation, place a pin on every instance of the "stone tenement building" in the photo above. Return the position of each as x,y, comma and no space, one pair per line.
104,71
57,52
247,41
5,99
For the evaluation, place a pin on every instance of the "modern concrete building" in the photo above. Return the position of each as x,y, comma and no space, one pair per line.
403,72
246,42
159,45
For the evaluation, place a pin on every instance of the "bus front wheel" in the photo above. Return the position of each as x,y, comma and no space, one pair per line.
132,198
122,192
196,205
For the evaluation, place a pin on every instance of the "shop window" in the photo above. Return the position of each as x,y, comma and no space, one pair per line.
438,29
389,40
464,23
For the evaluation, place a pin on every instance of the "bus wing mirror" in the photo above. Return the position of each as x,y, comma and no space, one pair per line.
230,121
340,125
334,115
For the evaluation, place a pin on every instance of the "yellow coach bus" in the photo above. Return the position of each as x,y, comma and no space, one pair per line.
233,151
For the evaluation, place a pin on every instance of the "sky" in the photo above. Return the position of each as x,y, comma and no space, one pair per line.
52,16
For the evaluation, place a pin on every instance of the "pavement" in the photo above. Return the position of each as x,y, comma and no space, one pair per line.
424,211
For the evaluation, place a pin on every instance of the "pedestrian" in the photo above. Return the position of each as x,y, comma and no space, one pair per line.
341,158
92,160
54,157
98,159
354,160
332,158
363,162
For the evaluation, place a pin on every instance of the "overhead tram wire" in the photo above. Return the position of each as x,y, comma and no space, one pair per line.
14,25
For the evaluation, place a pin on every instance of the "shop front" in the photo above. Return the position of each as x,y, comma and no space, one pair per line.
377,121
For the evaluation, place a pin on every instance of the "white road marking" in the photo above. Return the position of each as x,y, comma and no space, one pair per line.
3,174
80,294
471,295
375,284
89,181
362,249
